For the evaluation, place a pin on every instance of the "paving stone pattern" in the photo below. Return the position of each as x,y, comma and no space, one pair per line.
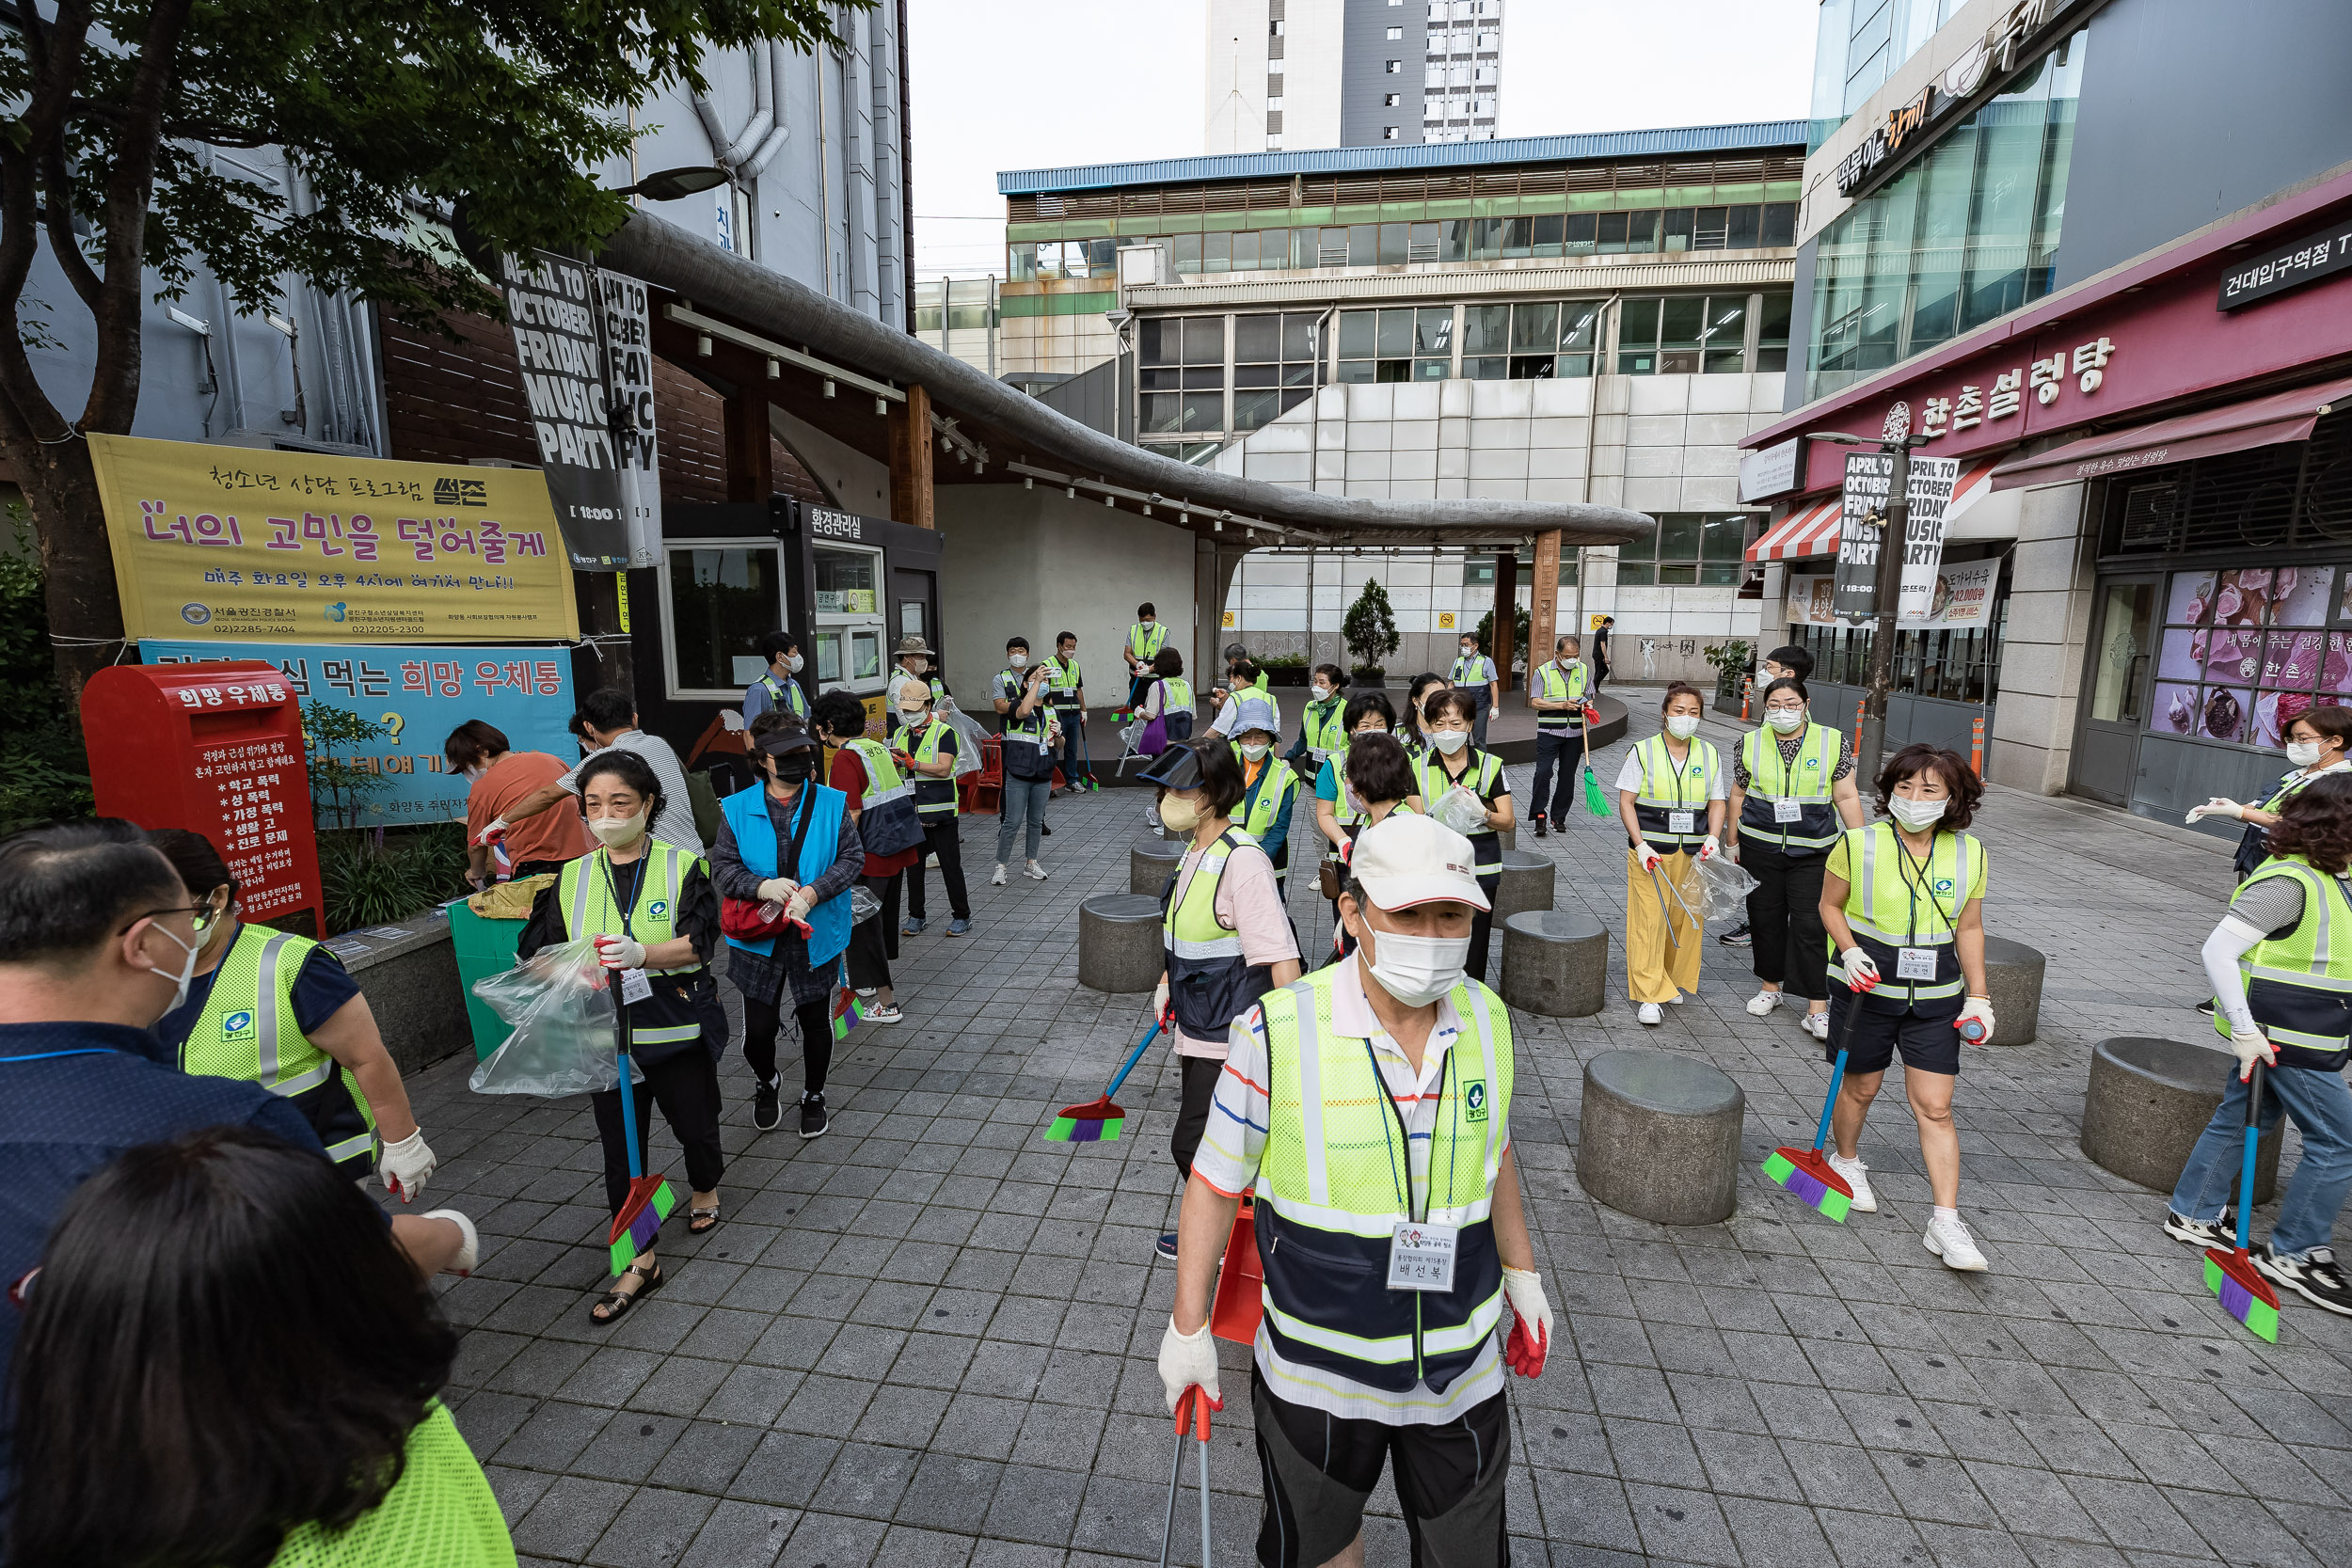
929,1338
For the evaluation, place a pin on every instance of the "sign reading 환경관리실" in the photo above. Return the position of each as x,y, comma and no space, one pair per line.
248,544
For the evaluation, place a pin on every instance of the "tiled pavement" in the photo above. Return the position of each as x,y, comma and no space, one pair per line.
929,1338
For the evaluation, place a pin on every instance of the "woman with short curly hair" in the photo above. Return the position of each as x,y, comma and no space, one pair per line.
2280,987
1903,901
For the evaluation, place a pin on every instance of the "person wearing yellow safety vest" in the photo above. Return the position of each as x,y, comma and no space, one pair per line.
1145,640
1321,724
1463,786
1244,677
778,686
1224,936
2315,744
2282,977
1269,788
279,1011
1368,1106
1411,728
1557,692
927,748
882,807
1903,902
653,915
1792,794
1341,812
1670,796
1476,677
1066,695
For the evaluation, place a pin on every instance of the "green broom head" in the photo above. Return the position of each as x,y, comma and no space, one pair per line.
1594,801
2246,1296
650,1201
1097,1121
1806,1173
849,1011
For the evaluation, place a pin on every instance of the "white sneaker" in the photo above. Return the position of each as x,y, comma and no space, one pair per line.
1035,872
1762,1003
1857,1177
998,880
1677,998
1816,1024
1651,1013
1151,815
1949,1240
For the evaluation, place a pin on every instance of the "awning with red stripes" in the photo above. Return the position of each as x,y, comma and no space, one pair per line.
1811,529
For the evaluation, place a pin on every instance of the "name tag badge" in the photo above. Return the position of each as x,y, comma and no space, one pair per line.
1914,963
635,987
1421,1256
1681,821
1787,811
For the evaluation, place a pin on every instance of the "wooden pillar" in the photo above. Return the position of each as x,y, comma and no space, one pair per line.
1543,620
750,461
911,455
1506,611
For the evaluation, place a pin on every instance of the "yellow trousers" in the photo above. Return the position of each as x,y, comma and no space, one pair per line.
1655,966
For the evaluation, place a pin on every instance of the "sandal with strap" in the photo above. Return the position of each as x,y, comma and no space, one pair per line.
700,1221
614,1305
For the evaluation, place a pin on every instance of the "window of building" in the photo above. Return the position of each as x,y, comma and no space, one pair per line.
1395,33
721,601
849,626
1478,571
1392,100
1530,343
1395,67
1180,374
1388,133
1274,365
1409,345
1689,548
1690,334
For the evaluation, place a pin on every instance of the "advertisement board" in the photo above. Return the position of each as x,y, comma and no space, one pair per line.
419,694
1869,479
243,545
1959,596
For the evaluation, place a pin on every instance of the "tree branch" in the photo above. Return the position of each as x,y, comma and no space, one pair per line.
114,394
57,209
218,133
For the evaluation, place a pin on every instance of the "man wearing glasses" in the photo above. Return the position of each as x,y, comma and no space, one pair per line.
98,939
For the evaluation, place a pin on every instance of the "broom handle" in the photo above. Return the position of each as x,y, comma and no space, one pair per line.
1838,1073
629,1090
2246,1166
1133,1057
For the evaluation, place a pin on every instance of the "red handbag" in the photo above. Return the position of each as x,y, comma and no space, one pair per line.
741,918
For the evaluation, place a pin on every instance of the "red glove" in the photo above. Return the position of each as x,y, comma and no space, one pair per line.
1530,1341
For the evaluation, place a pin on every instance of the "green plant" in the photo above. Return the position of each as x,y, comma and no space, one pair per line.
1520,631
1283,661
339,788
43,774
1370,627
1730,660
370,877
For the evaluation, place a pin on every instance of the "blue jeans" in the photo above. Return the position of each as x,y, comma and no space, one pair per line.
2322,1108
1556,802
1023,800
1072,769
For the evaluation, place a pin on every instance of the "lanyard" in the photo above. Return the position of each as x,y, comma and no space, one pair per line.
53,1056
635,888
1667,752
1428,1187
1922,882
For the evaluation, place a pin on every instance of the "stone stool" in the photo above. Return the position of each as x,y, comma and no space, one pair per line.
2013,972
1660,1138
1508,838
1153,861
2149,1099
1555,962
1527,879
1119,942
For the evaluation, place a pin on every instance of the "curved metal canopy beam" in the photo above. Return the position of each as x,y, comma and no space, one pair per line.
723,283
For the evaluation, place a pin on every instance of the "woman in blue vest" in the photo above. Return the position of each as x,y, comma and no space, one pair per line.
650,907
788,843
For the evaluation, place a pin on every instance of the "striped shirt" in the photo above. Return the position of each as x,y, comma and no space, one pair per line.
1228,1162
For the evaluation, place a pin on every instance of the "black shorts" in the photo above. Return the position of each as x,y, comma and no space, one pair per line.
1319,1470
1929,1044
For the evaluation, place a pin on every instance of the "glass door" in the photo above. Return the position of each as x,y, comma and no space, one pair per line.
2120,672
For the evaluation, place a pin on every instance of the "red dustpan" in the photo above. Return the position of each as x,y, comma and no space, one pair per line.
1240,1283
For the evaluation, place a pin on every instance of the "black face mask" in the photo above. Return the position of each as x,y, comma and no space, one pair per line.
794,768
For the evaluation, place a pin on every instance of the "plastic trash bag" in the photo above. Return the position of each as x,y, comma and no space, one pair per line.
863,906
967,740
1717,889
1461,810
559,1002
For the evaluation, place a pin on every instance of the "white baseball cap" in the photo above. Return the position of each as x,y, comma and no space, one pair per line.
1406,859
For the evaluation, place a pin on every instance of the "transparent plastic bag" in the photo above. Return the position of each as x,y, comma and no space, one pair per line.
967,742
559,1002
863,906
1461,810
1717,889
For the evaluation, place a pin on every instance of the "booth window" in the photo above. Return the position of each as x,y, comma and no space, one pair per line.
1689,548
1405,345
849,626
722,601
1274,366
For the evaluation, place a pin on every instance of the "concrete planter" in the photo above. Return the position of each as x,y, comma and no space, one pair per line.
409,972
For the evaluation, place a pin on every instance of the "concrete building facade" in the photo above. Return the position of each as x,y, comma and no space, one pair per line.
1291,74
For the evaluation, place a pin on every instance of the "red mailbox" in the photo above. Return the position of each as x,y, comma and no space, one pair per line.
216,748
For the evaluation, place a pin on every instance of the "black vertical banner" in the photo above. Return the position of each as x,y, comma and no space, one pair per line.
1869,478
551,305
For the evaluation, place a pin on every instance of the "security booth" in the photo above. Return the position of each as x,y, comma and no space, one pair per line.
848,587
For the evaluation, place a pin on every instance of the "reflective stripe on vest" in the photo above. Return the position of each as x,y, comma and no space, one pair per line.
592,912
2300,986
1333,1181
1177,698
1556,686
787,695
1467,668
1261,806
933,798
882,783
1209,981
1483,775
1892,904
1666,788
1806,780
1321,727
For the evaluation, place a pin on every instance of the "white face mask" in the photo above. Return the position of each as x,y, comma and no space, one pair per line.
1416,970
1682,727
619,832
793,664
1788,720
910,716
1019,661
1916,815
1322,694
1180,814
1256,749
477,772
1469,649
181,981
2302,753
1449,741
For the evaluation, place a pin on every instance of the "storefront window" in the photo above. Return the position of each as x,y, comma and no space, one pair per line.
2246,651
1957,665
722,602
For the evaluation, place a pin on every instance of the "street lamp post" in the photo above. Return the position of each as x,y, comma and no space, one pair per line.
1894,530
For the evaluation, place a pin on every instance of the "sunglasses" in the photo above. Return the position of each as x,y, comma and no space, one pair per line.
200,917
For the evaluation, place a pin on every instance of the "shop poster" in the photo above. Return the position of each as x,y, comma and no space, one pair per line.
420,694
251,545
1960,597
1869,479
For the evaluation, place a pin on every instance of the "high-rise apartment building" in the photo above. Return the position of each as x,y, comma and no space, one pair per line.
1313,73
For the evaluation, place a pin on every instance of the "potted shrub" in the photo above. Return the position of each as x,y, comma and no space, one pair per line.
1731,661
1370,633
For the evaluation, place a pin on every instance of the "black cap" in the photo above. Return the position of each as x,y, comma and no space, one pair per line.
777,742
1178,767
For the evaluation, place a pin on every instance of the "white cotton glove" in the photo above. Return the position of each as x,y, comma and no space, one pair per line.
798,906
2217,806
406,1165
468,1254
620,952
497,829
1861,970
1186,1359
1646,857
2251,1046
1979,1008
1529,1339
776,890
1710,848
1159,1002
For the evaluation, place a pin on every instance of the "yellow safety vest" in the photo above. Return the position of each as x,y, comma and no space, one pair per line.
248,1031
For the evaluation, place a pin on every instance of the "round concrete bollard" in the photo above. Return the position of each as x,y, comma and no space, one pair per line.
1119,942
1527,879
1555,962
1151,862
2149,1099
1660,1137
2013,972
1508,838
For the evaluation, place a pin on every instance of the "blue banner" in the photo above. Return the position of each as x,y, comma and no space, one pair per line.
420,694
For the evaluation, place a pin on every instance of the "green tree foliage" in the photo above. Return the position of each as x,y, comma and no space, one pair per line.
1370,627
42,772
340,790
1521,629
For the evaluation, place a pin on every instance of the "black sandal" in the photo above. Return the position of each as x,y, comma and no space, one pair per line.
702,1221
617,1303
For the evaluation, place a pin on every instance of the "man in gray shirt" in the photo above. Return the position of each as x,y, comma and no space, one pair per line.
608,720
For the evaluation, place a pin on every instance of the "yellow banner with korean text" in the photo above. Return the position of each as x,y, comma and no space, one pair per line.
249,545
